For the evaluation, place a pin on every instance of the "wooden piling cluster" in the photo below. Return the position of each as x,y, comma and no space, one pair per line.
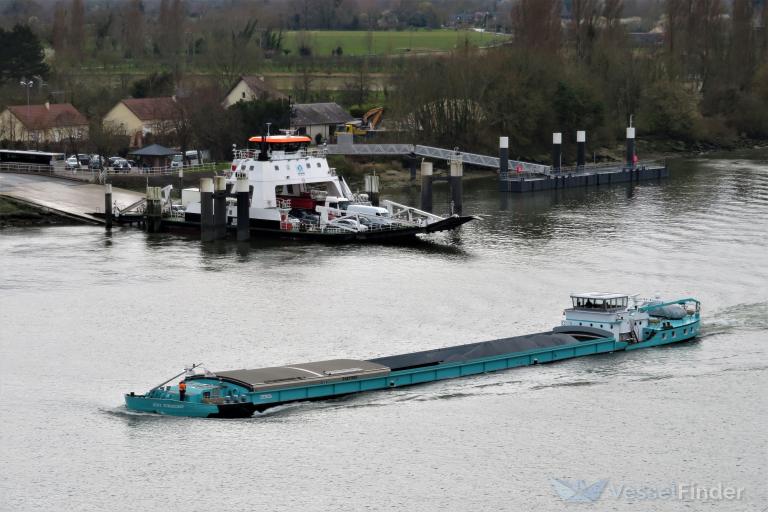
214,220
108,206
372,188
454,178
153,211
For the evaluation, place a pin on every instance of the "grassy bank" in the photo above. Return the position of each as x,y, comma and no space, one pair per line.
361,42
14,213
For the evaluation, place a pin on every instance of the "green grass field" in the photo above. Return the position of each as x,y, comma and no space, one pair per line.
362,42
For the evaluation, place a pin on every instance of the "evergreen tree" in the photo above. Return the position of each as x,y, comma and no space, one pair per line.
21,54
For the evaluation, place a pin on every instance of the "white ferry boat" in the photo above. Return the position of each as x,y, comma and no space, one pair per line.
295,193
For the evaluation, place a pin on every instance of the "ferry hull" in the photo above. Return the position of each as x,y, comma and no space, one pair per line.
271,229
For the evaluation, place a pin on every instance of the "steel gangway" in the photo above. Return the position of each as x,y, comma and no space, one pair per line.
415,150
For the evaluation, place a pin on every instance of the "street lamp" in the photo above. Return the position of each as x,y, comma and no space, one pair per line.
27,84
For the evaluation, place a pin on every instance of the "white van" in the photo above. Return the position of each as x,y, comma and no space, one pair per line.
367,210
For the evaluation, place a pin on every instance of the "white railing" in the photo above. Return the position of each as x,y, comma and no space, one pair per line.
316,152
89,174
160,171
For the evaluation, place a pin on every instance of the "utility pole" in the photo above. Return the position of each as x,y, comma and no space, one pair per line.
27,84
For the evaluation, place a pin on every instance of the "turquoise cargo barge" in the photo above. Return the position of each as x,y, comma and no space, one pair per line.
597,323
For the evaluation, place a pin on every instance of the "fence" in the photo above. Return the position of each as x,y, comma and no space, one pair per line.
98,175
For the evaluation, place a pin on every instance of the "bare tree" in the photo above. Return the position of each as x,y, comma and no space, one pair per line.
133,28
358,88
77,29
59,33
236,54
742,58
584,26
303,83
612,11
536,24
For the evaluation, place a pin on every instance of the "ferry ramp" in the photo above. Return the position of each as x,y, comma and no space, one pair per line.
68,198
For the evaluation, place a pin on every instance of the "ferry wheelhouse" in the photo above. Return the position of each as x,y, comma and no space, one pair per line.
295,193
597,323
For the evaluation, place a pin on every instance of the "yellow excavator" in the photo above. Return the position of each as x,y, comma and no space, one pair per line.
368,123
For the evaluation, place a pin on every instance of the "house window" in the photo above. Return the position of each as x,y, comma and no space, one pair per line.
243,94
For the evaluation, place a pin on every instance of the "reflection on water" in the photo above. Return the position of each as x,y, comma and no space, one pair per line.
88,315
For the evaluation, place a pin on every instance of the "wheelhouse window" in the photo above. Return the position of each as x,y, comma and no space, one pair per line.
599,303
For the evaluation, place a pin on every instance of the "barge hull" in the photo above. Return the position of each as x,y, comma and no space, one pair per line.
576,180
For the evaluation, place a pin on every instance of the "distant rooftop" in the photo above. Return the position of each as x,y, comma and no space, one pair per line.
53,115
258,84
150,109
309,114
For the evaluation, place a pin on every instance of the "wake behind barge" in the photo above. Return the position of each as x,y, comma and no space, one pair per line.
597,323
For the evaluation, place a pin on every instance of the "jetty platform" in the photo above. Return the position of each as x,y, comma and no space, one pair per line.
580,177
69,198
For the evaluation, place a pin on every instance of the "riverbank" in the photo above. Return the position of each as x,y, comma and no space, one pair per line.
17,214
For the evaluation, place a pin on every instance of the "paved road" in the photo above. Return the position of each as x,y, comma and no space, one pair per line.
73,198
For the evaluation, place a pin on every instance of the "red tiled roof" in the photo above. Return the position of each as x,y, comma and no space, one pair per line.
40,117
152,109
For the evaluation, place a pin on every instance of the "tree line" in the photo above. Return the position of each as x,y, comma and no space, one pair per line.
705,81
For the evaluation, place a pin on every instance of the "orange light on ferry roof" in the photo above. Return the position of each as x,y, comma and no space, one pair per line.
281,139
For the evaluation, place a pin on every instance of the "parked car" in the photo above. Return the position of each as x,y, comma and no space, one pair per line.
72,164
121,165
177,161
348,224
306,216
114,159
96,162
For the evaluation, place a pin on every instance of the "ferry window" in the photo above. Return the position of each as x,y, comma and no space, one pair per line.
663,335
601,326
333,205
591,325
290,189
318,164
673,334
580,323
252,167
277,167
685,331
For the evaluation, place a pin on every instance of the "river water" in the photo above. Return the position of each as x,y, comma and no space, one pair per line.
86,316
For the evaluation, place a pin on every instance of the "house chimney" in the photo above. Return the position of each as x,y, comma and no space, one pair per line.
47,105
